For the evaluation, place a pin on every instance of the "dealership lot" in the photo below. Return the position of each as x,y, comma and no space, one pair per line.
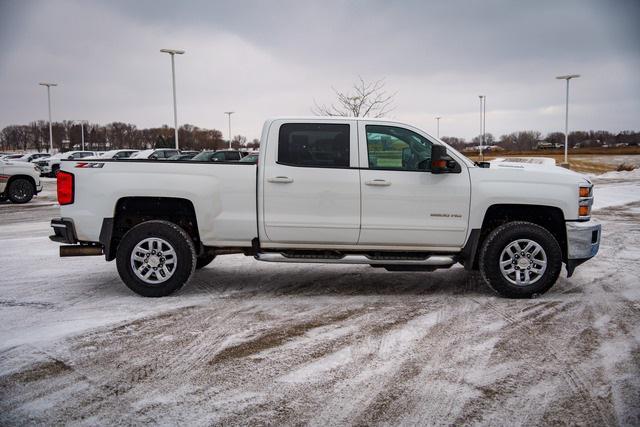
248,342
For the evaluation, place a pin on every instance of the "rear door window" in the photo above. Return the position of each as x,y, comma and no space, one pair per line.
314,145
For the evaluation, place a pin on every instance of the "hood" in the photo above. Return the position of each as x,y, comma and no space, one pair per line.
537,169
15,165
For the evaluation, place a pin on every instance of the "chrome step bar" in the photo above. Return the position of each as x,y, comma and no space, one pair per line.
431,260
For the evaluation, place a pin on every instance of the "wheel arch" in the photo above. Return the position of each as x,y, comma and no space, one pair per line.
549,217
18,176
133,210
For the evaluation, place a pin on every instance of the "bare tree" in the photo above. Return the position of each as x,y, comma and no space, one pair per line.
365,99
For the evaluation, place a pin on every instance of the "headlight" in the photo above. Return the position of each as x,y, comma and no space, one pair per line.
585,201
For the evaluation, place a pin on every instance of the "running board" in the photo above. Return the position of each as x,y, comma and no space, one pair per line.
431,260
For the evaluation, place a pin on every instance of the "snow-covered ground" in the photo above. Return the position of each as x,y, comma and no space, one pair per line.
257,343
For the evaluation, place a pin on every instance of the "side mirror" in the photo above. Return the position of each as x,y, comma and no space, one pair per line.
70,158
441,162
153,157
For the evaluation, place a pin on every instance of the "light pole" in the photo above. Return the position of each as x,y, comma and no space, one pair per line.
48,85
82,131
229,113
566,116
482,101
438,126
174,52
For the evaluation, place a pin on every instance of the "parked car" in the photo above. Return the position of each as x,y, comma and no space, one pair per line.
51,165
19,181
30,157
183,156
114,154
337,191
155,154
251,158
220,156
12,156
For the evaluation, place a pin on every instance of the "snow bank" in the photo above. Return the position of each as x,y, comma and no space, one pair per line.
616,189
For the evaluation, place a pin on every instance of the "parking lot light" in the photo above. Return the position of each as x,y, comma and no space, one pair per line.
174,52
48,85
566,116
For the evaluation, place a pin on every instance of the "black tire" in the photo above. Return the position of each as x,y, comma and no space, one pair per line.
492,251
185,254
204,260
3,197
20,190
54,171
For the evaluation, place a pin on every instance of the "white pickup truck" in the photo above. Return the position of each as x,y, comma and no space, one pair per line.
330,190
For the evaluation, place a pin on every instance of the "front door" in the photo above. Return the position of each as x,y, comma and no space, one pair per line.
403,204
311,183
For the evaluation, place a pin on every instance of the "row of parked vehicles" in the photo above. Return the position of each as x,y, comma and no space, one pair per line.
20,173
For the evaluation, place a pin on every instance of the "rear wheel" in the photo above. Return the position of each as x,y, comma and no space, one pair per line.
156,258
520,259
20,190
3,197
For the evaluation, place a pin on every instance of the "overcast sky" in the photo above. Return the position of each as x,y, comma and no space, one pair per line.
271,58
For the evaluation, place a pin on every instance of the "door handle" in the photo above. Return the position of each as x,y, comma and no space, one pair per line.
378,183
281,179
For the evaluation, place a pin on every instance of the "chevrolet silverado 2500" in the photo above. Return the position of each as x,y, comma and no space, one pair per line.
330,190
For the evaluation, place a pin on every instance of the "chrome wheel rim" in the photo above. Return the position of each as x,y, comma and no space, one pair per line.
154,260
523,262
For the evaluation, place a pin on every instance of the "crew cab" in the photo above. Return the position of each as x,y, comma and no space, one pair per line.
331,190
19,181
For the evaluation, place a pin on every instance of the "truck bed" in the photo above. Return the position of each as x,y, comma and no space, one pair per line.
223,194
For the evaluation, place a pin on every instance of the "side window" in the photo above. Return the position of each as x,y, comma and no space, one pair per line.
233,156
218,157
314,144
390,147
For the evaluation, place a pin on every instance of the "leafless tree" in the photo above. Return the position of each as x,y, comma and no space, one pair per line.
365,99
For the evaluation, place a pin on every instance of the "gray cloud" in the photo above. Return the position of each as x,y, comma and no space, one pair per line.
274,58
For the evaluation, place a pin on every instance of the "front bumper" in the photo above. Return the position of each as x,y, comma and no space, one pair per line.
583,242
38,187
64,231
44,169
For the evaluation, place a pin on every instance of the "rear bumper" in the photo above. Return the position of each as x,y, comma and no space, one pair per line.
583,242
64,231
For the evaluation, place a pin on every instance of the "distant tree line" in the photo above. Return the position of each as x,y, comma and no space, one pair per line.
67,135
528,140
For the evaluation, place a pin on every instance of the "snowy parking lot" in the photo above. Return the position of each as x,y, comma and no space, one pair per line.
256,343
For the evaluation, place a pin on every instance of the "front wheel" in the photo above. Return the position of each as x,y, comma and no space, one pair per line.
20,191
156,258
520,260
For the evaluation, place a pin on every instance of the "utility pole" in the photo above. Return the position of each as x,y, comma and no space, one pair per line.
566,116
229,113
438,126
174,52
49,85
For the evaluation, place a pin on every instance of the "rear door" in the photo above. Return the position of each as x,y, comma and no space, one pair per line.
311,184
